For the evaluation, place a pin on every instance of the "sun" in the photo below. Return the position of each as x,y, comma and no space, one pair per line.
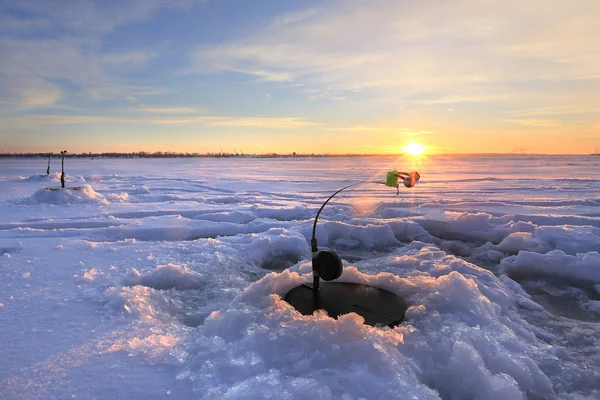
414,149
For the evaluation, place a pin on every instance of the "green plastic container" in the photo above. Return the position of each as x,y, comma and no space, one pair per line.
391,179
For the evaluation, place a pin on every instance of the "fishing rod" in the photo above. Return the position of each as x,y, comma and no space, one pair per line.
327,264
48,169
376,305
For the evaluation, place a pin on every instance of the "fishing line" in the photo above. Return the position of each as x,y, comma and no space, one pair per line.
353,227
388,238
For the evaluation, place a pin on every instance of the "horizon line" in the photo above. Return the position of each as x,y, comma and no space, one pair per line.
172,154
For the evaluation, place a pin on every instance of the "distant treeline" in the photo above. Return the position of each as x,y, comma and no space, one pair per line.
169,154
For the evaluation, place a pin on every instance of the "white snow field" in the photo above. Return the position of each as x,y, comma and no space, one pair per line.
163,279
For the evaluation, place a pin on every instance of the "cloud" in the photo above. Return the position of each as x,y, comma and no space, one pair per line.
110,90
384,129
540,123
468,50
10,24
266,76
133,57
293,17
170,110
30,93
562,110
326,94
255,122
92,16
59,42
67,61
462,99
224,121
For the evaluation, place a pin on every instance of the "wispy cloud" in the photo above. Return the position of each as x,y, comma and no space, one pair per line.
384,129
464,99
224,121
170,110
265,75
326,94
30,93
293,17
562,110
89,16
541,123
10,24
134,57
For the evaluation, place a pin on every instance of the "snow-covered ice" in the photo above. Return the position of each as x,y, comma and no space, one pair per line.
164,278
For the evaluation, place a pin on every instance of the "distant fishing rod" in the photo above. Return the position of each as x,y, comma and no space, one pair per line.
48,169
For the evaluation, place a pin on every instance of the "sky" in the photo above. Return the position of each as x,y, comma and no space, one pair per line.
352,76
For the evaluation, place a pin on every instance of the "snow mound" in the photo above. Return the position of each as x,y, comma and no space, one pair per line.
462,338
84,194
489,239
475,227
233,199
570,239
99,177
55,177
141,190
118,197
238,217
170,276
370,236
407,231
277,248
581,269
284,213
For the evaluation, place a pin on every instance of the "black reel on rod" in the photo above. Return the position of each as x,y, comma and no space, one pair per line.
377,306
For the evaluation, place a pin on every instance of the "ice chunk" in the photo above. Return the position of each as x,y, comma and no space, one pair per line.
583,268
170,276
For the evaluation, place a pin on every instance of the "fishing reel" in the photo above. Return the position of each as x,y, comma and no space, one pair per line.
326,265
